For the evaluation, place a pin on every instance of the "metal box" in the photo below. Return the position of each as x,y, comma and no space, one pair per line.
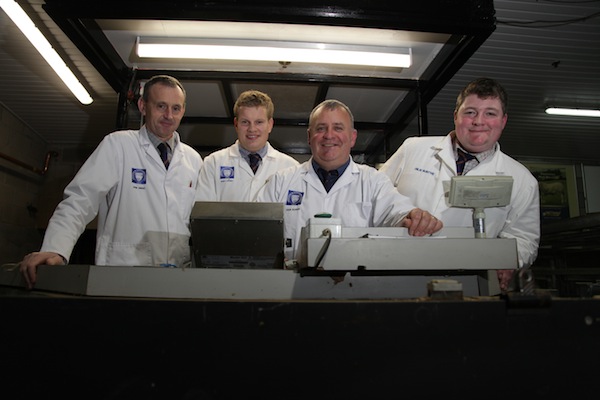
237,235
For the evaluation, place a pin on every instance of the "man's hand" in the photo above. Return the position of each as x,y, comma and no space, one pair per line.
505,277
421,223
28,266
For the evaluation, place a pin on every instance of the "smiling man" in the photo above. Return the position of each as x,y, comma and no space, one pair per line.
143,201
237,172
332,183
422,167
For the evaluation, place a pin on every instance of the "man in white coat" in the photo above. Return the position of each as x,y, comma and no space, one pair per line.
143,203
331,182
228,174
421,168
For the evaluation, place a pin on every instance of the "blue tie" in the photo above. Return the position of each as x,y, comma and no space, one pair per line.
254,161
328,177
163,149
463,158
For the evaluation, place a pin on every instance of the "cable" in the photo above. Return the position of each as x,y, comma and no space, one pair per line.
10,266
323,251
570,1
547,24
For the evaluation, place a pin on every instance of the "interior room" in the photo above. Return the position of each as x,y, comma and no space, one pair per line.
543,52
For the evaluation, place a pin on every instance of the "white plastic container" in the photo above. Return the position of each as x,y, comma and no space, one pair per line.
316,227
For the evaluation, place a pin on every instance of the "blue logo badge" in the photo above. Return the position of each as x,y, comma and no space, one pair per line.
138,176
227,172
294,198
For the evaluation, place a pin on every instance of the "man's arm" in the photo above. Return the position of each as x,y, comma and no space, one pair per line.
206,189
80,205
523,221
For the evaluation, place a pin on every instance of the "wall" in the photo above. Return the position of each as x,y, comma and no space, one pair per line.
30,192
63,168
20,186
591,177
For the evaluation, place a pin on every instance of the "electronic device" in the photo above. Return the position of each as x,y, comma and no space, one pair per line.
237,235
480,192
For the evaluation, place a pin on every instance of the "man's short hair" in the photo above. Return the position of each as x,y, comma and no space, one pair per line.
163,80
254,98
484,88
330,105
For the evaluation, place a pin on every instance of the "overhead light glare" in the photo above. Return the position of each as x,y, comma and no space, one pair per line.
261,50
26,25
577,112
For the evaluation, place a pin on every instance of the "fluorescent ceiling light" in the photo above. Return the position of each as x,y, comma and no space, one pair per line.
26,25
269,50
577,112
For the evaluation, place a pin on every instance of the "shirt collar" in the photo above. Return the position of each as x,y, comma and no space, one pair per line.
244,153
340,169
478,156
155,140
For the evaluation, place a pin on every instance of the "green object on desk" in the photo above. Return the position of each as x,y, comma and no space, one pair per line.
323,215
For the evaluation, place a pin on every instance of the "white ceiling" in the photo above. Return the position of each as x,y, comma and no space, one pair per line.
542,51
123,33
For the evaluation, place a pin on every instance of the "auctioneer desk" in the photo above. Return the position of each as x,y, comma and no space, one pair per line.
100,332
100,348
385,265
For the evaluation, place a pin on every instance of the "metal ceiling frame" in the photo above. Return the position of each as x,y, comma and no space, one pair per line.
469,23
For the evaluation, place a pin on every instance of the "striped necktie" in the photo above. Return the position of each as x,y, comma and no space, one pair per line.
463,158
254,161
163,149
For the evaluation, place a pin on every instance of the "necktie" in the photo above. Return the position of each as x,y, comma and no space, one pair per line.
164,154
328,177
463,158
254,161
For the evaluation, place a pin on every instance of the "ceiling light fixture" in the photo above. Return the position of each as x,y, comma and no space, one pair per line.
576,112
269,50
26,25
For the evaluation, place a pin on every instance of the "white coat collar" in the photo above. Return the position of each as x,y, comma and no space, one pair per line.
145,140
311,177
445,149
234,150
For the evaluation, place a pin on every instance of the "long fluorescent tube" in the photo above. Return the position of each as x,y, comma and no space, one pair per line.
577,112
26,25
268,50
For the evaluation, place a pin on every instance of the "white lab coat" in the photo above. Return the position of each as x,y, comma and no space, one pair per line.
226,175
361,197
143,208
422,167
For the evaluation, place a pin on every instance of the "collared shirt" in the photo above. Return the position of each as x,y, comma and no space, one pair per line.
245,153
479,157
329,178
171,143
